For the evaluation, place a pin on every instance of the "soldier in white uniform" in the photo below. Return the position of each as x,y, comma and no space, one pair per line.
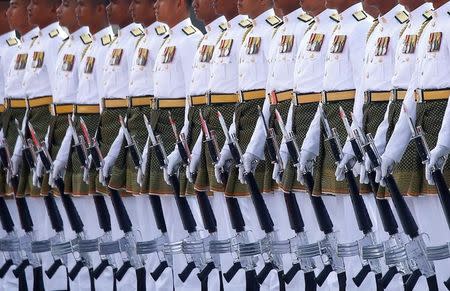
90,13
172,78
425,101
283,49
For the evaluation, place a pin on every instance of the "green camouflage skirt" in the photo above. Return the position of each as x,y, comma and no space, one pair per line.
108,130
246,116
324,178
40,118
10,133
303,116
124,173
153,182
206,179
73,179
283,109
194,130
57,131
373,116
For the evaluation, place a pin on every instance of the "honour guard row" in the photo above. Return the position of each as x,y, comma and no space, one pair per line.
295,145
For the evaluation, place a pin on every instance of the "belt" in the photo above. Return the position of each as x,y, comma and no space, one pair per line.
2,108
222,98
40,101
300,98
398,94
423,95
168,103
15,103
114,103
198,100
332,96
251,95
377,96
59,109
277,97
139,101
87,108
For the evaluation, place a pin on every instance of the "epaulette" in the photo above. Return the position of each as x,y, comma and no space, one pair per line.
428,15
106,39
137,32
53,33
335,17
274,21
190,29
305,17
12,41
402,17
86,38
160,30
223,26
245,23
360,15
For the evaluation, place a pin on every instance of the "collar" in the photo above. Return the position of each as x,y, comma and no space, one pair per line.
178,29
235,21
293,15
214,25
347,15
128,29
101,33
151,29
442,11
76,35
390,16
324,15
260,19
49,29
4,37
30,35
417,14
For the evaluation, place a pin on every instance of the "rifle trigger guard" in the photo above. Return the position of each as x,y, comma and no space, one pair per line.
440,252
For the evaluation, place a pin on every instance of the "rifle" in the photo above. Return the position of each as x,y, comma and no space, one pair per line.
193,246
359,207
181,142
416,248
396,242
132,145
79,144
272,144
273,261
236,218
327,247
93,147
27,152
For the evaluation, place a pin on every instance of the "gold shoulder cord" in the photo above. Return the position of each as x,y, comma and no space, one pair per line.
372,29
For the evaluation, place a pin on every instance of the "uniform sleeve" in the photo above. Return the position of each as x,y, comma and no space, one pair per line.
257,141
311,142
401,135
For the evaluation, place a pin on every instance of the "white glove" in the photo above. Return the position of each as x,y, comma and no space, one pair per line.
38,173
438,157
306,164
142,169
105,170
173,164
340,170
387,166
249,163
16,160
363,177
222,164
192,169
59,167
